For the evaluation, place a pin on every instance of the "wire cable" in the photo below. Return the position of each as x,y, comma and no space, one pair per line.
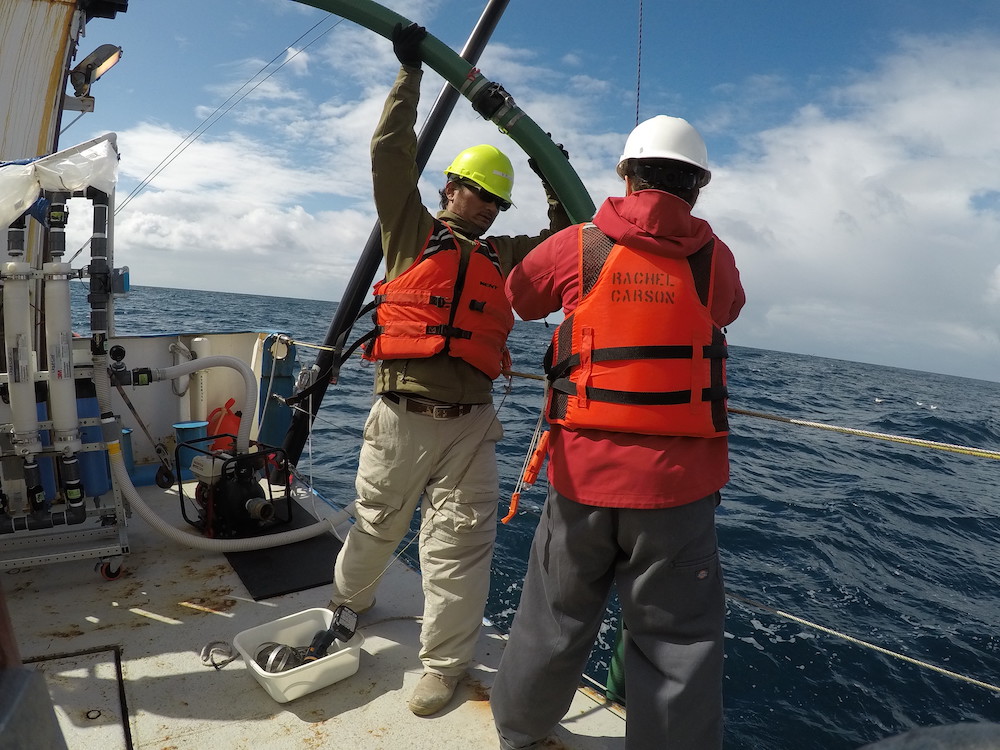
638,66
227,106
221,111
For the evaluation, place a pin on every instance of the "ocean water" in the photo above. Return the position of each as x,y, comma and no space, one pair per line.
888,543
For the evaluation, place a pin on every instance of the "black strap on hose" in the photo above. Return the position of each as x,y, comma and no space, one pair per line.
360,342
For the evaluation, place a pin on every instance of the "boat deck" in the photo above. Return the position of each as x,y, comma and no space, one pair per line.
122,660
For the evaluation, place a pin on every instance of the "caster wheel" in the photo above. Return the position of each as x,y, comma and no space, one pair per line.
164,478
110,573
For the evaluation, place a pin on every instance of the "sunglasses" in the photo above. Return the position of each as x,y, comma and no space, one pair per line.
485,195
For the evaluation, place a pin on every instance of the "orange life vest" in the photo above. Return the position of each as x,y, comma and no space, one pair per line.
640,353
437,304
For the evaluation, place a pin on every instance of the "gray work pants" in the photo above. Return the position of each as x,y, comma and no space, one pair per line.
666,567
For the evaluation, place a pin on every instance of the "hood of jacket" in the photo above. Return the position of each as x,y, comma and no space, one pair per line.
654,221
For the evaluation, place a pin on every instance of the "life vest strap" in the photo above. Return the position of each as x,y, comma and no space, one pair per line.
408,298
640,398
449,331
715,393
612,353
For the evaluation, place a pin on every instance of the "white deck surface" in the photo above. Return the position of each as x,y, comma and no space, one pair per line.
171,601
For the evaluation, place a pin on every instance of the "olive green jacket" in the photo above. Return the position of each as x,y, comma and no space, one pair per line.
406,223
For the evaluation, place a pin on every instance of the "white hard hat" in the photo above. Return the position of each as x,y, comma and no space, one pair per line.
664,137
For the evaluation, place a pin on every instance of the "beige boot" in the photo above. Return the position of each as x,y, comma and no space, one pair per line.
432,693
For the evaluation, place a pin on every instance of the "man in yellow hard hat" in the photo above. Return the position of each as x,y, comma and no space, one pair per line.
442,320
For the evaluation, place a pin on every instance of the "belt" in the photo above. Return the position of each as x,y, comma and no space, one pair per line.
437,411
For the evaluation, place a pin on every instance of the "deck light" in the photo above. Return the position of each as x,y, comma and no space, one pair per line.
93,66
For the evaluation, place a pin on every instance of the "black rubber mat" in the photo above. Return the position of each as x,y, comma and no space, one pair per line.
291,567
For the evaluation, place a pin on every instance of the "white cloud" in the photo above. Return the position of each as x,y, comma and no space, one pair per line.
865,225
853,223
993,288
297,61
228,215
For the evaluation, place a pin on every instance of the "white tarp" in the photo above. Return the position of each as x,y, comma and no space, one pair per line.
91,164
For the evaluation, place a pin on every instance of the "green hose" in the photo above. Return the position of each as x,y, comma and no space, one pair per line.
489,101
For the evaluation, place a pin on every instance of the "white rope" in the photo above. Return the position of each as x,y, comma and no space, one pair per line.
980,452
535,437
865,644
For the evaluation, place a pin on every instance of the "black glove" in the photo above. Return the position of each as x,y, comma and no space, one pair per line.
406,43
533,165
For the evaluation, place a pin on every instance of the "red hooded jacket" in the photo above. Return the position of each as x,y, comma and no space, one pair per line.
616,469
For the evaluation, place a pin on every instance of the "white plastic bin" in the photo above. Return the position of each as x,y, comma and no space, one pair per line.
342,660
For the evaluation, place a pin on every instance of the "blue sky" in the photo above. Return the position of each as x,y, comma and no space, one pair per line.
854,147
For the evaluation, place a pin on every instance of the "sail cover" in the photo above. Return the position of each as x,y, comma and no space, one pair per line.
90,164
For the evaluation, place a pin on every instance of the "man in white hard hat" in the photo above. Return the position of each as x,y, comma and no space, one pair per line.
442,321
637,454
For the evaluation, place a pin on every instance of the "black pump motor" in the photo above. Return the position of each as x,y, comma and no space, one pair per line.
230,497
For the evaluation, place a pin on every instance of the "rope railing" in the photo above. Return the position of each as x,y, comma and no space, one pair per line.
964,449
903,439
918,442
864,644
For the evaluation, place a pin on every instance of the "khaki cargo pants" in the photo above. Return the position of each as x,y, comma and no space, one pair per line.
451,464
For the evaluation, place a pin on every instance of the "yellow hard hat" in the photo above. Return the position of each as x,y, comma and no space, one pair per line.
488,167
